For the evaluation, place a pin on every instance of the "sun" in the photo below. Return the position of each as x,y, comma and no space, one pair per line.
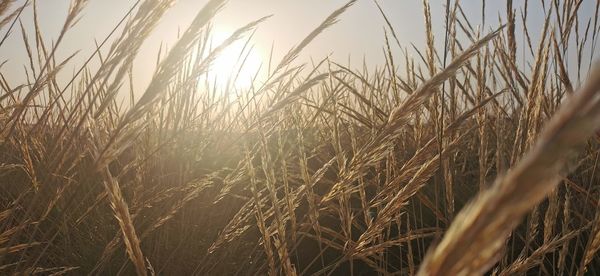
235,66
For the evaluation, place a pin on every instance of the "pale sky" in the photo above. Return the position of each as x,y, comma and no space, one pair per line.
358,33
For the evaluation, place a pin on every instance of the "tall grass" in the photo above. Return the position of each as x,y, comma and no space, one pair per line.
320,169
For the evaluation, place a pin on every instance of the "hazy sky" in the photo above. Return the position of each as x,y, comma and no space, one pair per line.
359,32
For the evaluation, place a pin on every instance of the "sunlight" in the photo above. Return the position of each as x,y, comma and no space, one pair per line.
237,64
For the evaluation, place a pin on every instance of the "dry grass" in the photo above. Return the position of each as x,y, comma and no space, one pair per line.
320,169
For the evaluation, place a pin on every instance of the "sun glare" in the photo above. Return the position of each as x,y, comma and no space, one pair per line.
237,65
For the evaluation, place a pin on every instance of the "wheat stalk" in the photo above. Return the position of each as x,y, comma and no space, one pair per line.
474,241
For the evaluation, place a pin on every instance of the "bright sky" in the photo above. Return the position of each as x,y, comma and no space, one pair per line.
359,32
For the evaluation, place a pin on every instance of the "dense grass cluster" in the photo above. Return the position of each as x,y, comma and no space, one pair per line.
456,161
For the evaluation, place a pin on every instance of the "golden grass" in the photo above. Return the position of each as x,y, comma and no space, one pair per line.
321,169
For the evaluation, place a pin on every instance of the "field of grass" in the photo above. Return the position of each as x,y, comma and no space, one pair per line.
465,160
